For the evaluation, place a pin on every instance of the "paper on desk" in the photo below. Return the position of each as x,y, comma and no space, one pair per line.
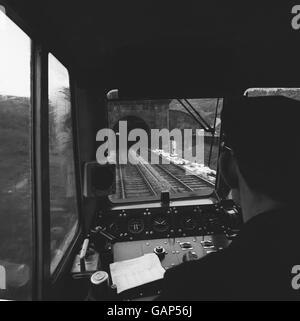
135,272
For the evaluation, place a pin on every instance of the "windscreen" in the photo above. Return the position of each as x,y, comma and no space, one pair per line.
162,146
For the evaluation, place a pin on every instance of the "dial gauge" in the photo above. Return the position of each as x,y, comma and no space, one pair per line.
136,226
114,228
189,223
161,224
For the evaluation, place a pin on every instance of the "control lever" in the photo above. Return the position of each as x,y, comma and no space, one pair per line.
190,256
103,232
231,234
86,262
82,254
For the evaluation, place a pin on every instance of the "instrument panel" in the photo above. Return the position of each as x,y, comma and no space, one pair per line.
168,221
176,233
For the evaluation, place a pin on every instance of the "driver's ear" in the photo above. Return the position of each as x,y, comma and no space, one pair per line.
228,169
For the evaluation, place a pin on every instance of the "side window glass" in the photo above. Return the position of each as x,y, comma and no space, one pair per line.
15,162
63,199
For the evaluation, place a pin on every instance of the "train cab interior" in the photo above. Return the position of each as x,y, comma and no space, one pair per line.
83,84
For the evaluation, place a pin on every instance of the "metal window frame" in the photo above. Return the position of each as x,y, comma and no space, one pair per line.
41,217
42,281
39,265
63,264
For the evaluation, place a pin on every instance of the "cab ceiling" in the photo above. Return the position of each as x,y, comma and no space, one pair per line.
169,48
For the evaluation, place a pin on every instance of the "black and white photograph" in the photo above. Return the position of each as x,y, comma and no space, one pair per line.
149,153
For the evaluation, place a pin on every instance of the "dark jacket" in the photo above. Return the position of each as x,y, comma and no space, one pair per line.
256,266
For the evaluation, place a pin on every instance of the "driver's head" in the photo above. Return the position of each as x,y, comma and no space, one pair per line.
262,133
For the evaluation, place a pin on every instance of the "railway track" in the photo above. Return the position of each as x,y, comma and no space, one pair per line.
181,180
140,181
132,182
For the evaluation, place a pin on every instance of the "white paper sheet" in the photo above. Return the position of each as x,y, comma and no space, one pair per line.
135,272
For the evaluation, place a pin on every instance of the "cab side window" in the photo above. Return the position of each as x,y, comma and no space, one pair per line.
15,162
63,198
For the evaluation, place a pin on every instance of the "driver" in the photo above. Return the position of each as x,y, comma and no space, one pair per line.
260,163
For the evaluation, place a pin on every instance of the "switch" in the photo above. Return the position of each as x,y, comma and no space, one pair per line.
160,252
189,256
207,244
186,245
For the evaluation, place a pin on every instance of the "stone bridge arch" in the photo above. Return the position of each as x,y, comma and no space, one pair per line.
154,113
132,123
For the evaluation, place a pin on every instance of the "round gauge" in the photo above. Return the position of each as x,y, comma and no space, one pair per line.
189,223
161,224
114,228
136,226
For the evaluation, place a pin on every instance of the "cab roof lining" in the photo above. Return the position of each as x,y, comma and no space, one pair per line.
166,48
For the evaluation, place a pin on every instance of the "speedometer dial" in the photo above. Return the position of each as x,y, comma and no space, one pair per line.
136,226
161,224
189,223
114,228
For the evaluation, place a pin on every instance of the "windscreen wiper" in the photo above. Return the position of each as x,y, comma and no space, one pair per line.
214,132
200,120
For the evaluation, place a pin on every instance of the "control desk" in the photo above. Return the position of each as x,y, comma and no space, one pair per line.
179,232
